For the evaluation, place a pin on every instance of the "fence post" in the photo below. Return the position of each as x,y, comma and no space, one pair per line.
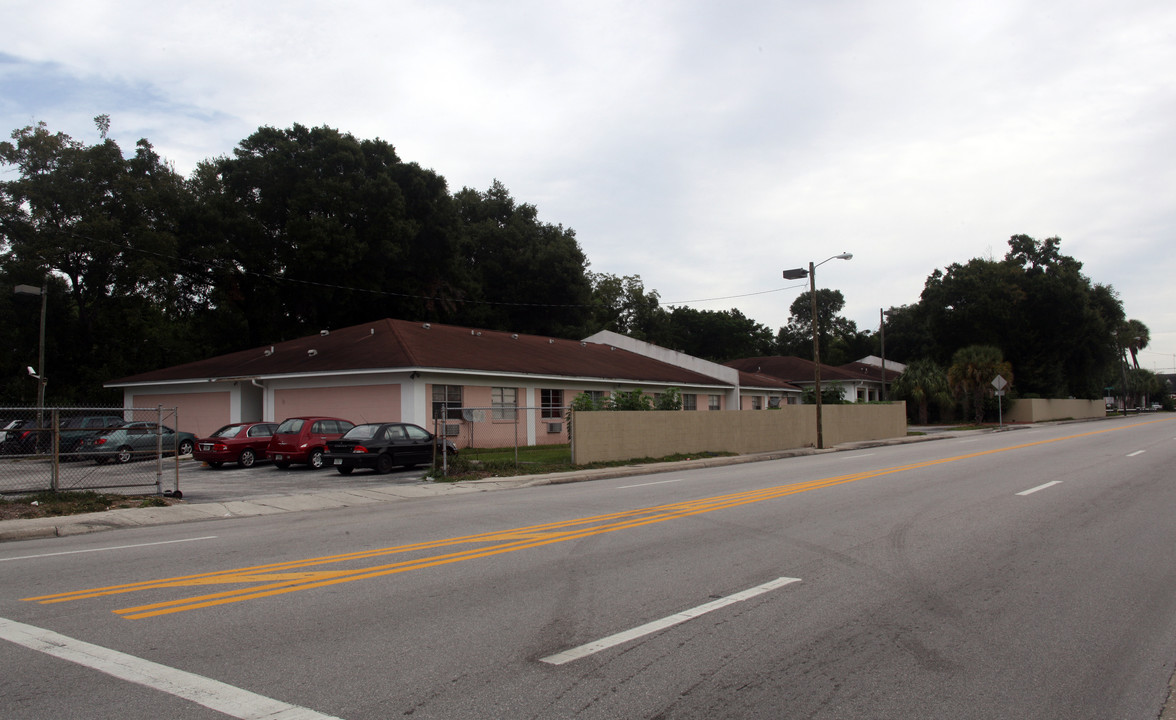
159,449
444,439
176,421
55,446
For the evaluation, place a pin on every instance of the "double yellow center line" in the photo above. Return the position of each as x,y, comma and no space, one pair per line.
287,577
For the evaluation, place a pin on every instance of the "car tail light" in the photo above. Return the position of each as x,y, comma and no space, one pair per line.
100,441
359,449
220,447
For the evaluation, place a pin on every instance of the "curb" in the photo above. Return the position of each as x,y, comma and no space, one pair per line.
37,528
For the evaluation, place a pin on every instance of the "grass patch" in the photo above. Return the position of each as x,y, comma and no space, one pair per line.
477,464
72,502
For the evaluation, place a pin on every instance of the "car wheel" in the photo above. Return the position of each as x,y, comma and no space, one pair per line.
384,464
344,470
124,454
247,459
283,465
316,458
186,447
215,463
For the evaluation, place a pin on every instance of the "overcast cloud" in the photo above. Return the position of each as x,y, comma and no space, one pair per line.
703,146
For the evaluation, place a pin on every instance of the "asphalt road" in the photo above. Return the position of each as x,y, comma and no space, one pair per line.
1023,574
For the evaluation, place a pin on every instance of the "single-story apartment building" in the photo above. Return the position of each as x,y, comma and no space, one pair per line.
399,370
864,380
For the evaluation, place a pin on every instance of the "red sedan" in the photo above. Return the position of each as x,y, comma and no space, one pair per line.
242,443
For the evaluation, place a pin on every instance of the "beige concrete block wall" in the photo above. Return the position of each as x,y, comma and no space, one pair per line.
857,422
1044,409
614,436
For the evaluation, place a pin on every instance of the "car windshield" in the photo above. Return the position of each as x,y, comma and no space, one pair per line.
289,427
228,431
361,432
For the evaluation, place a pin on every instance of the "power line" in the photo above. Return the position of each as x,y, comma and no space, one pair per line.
233,267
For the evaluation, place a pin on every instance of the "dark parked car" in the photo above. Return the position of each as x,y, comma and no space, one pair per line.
12,425
304,440
383,446
242,443
135,440
75,429
23,440
27,439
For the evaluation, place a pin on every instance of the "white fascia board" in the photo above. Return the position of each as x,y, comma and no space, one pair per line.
728,375
422,370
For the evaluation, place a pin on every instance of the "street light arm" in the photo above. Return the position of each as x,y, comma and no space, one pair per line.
842,256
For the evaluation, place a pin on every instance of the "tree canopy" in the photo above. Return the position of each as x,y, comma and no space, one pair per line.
1056,328
310,228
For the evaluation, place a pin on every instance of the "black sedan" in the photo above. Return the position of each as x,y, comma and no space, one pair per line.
383,446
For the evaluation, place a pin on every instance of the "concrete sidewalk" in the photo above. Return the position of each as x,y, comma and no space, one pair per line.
392,492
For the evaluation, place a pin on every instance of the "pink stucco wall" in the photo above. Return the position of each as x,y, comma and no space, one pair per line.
359,404
199,413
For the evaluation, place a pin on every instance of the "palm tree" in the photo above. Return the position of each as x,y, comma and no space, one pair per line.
1133,337
923,382
972,371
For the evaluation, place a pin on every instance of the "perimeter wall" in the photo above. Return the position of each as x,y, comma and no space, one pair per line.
606,436
1042,409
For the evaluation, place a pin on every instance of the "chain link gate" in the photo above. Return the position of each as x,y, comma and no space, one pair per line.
89,448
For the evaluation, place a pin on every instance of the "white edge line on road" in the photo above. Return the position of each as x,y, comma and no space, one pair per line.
1030,491
219,696
1137,452
116,547
659,482
623,637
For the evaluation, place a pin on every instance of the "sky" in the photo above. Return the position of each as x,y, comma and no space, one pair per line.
703,146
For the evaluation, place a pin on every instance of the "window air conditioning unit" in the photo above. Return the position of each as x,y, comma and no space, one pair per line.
452,429
554,427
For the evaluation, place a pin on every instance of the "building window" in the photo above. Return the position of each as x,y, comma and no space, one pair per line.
551,403
689,401
503,403
714,402
757,403
450,397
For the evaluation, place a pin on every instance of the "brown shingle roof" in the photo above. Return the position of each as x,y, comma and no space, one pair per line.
401,345
871,372
791,369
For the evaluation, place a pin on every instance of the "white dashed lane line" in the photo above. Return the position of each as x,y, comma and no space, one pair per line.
219,696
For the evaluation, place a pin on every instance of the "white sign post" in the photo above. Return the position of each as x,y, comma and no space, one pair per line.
1000,384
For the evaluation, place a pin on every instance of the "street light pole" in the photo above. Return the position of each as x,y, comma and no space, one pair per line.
43,291
812,275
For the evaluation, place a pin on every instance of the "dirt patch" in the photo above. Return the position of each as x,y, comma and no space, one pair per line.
48,504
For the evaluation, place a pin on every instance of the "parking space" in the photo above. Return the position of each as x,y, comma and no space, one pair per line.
197,481
200,483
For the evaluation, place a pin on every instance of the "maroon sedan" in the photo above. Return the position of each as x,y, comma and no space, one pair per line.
242,443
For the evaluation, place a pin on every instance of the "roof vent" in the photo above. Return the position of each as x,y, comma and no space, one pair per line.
270,351
426,326
324,333
373,331
312,352
514,336
583,344
550,341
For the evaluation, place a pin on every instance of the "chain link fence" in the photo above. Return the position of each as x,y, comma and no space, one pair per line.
91,448
506,436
